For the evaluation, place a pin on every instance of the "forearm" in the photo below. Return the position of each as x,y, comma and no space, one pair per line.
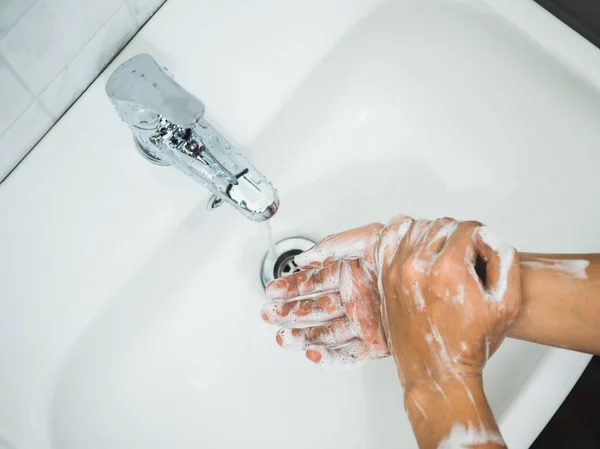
452,414
561,301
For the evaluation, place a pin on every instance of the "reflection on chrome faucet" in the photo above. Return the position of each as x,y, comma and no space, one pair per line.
168,125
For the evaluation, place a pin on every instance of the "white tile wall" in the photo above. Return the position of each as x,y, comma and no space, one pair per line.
50,51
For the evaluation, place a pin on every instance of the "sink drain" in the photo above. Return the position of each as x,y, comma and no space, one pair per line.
281,262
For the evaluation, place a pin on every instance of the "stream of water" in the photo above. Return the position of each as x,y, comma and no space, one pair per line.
270,241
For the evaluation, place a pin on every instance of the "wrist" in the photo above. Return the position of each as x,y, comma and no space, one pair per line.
423,375
450,391
451,409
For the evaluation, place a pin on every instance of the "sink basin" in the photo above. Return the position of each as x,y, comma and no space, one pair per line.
133,312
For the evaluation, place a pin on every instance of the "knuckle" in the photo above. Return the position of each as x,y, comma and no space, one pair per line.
417,229
444,269
400,218
410,274
315,280
444,220
400,221
471,224
302,276
314,333
394,276
375,226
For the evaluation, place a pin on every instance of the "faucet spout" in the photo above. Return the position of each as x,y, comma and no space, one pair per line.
169,126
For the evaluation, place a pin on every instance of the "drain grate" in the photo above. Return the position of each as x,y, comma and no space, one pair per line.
285,265
281,262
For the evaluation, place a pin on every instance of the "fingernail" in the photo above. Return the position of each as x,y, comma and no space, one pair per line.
313,356
302,259
279,340
299,260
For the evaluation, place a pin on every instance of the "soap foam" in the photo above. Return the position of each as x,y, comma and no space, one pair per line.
351,354
336,248
460,295
569,267
462,437
419,300
444,357
420,408
506,254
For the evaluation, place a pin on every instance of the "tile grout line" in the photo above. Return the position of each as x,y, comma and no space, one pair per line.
4,63
139,28
38,97
114,56
34,98
18,19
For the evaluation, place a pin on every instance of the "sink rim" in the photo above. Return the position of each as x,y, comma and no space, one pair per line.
33,167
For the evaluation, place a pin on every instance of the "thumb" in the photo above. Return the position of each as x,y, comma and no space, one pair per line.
494,263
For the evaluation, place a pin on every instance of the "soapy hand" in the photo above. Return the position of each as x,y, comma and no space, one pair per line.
448,299
438,295
332,308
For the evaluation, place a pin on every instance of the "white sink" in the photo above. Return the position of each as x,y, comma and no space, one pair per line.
130,314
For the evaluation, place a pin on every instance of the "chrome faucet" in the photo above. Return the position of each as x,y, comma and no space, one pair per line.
168,126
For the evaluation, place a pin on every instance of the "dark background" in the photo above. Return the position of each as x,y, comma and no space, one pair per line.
576,424
581,15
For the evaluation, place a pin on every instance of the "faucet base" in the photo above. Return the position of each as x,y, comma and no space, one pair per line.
149,156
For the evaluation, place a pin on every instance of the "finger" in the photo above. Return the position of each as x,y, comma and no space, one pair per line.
349,354
431,244
407,244
362,305
358,297
500,260
455,266
306,282
332,334
390,239
350,244
445,227
491,262
462,241
307,311
416,232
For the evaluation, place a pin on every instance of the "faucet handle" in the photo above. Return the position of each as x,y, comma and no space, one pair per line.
144,92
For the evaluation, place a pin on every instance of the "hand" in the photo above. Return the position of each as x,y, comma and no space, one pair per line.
448,299
332,308
449,293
